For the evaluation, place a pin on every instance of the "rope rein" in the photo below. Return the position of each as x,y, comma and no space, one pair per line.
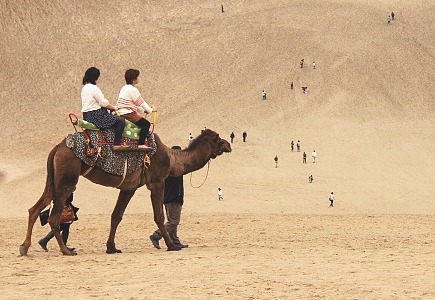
196,187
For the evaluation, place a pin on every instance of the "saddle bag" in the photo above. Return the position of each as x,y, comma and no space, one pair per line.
67,214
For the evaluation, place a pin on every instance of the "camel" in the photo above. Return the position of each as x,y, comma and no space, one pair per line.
64,170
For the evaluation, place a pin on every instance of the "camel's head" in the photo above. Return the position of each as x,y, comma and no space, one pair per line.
218,145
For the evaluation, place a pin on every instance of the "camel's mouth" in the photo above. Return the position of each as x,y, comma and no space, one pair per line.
223,147
226,147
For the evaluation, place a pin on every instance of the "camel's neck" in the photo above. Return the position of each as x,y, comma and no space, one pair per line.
189,160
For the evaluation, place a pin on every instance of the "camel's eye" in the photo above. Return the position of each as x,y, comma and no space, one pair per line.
216,138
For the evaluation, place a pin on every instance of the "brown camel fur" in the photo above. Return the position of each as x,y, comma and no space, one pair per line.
64,170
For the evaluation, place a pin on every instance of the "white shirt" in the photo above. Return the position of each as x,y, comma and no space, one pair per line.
92,98
332,197
129,99
220,193
314,154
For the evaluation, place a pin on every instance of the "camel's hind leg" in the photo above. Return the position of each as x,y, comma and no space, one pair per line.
63,171
67,170
45,200
33,216
123,200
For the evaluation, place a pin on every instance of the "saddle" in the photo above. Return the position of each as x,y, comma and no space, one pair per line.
131,130
94,147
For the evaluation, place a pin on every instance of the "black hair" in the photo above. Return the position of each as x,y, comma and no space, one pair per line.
176,147
91,75
130,75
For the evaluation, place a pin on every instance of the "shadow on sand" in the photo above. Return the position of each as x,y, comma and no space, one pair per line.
2,176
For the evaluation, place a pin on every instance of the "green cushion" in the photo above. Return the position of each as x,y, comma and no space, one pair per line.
87,125
131,130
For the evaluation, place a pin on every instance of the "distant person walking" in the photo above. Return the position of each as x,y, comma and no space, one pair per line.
244,135
314,155
310,179
302,63
232,136
190,138
292,144
392,16
388,20
222,8
331,199
304,158
276,161
263,93
291,85
220,194
298,145
314,64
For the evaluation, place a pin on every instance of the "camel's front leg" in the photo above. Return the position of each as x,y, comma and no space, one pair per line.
157,194
123,200
54,221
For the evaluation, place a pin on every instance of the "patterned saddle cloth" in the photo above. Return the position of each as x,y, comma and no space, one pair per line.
104,158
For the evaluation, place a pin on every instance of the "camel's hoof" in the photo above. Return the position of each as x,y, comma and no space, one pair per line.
174,248
71,253
23,250
113,251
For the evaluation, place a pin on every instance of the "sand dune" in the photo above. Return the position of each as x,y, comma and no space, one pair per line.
368,114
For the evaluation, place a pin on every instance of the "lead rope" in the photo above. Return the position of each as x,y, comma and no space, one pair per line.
208,168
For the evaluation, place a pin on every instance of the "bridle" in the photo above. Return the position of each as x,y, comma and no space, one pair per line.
214,154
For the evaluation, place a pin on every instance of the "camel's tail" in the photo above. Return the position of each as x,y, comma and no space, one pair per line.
48,193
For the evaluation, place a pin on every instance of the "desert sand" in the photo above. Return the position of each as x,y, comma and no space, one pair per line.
368,114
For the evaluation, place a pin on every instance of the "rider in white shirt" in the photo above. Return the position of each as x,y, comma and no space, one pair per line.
130,101
95,105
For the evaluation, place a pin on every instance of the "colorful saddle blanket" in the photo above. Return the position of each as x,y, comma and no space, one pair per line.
104,157
131,130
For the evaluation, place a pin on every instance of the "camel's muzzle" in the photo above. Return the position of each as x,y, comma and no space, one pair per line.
226,147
